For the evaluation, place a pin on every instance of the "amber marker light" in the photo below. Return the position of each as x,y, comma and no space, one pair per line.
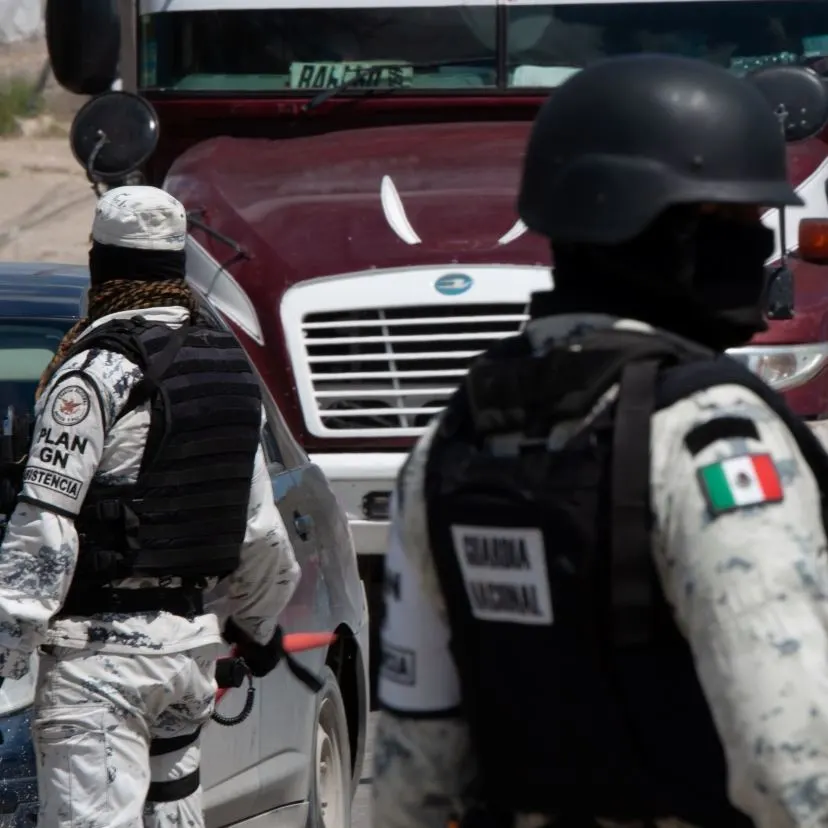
813,240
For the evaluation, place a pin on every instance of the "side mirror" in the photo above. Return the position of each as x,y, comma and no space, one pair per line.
798,96
113,135
780,294
84,42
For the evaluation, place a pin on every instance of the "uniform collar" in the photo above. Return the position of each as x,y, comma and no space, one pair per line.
172,316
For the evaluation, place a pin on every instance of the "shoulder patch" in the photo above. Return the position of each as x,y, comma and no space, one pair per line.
722,428
739,482
71,405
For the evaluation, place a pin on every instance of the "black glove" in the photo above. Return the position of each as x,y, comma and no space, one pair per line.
264,658
260,658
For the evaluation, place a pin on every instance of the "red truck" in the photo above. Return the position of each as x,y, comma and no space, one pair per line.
351,170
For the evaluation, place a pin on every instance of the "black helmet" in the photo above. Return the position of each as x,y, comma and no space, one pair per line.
626,138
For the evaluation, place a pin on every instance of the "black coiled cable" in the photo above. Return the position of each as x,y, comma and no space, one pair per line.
231,672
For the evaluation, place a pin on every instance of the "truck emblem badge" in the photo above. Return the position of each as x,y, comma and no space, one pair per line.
453,284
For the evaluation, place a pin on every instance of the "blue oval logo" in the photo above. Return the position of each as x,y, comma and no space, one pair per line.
453,284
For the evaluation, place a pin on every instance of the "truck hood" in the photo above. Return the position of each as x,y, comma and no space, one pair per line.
370,198
390,196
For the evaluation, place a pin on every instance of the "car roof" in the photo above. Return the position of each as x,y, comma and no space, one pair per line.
42,290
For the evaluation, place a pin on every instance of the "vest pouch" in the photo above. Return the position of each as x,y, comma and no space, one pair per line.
108,533
517,554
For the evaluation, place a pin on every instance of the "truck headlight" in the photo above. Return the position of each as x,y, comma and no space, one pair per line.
783,366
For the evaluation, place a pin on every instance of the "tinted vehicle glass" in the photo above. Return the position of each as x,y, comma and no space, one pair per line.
740,35
25,350
296,49
462,48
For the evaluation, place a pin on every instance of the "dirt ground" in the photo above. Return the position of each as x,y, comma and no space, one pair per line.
46,203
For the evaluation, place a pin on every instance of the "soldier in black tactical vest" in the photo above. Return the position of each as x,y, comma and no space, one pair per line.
145,488
608,551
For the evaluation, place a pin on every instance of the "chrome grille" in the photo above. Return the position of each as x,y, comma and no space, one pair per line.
394,368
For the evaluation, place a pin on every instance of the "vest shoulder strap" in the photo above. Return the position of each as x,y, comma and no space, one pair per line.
641,360
121,336
128,338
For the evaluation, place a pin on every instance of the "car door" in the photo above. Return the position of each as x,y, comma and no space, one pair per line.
287,706
262,763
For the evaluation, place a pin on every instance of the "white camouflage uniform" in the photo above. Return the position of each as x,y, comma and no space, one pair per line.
748,590
113,683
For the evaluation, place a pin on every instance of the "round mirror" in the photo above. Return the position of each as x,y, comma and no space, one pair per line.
799,98
113,135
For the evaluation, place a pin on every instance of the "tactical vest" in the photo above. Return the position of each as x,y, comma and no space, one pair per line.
599,713
186,514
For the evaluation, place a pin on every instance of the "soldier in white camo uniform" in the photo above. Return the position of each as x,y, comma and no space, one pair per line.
742,569
110,683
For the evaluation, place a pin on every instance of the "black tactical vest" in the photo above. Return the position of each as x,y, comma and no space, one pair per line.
186,514
599,713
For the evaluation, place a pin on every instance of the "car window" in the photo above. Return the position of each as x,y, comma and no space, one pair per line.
25,350
273,454
289,451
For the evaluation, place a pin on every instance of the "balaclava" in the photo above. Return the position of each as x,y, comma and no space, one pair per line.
137,259
699,275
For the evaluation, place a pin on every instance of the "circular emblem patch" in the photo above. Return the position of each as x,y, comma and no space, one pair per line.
71,406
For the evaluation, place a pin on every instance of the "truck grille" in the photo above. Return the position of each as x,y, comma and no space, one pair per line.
395,368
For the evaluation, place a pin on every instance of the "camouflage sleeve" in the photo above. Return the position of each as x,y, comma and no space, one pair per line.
40,547
422,758
740,547
420,769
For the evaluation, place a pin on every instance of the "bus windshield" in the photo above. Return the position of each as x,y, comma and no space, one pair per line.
462,48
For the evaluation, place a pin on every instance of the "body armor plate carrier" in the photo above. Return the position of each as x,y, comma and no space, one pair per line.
598,713
186,514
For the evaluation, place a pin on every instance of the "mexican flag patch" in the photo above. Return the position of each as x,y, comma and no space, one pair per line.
738,482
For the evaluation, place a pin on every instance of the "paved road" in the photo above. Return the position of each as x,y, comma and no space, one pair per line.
361,813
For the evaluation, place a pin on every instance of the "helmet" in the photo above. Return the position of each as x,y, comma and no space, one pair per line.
626,138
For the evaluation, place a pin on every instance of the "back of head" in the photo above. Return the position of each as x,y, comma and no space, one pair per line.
140,218
138,233
138,257
649,174
137,260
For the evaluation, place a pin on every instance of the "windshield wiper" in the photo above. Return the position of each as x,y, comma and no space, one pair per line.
365,72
